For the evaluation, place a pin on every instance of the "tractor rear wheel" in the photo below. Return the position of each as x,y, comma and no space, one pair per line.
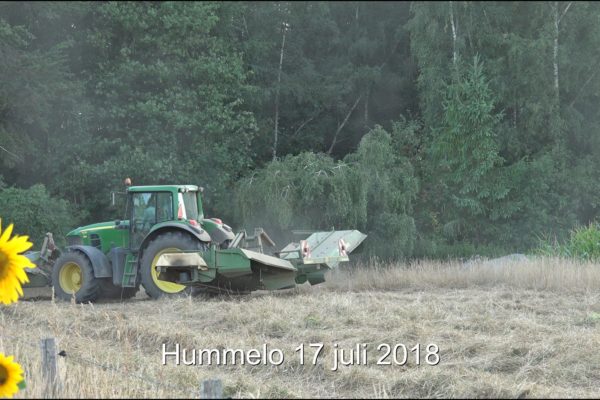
109,291
73,276
164,243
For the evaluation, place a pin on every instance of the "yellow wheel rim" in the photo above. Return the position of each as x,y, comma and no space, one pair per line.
165,286
70,277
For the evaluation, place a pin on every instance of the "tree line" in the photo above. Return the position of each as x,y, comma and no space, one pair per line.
438,128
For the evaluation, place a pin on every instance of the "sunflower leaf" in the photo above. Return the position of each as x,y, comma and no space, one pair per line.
21,385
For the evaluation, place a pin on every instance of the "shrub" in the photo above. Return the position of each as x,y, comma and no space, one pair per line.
34,212
583,243
372,190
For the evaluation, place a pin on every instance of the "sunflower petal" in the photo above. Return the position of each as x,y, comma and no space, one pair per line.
10,289
21,276
20,244
22,262
6,234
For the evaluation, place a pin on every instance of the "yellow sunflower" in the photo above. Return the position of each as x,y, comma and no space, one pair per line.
11,375
12,265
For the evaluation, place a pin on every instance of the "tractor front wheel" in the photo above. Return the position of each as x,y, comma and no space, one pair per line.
73,276
165,243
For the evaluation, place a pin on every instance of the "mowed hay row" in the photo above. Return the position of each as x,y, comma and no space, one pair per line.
494,341
554,274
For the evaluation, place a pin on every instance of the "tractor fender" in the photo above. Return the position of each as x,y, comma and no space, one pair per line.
100,262
199,234
219,235
218,232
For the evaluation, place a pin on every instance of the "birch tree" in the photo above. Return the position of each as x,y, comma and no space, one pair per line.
284,28
558,15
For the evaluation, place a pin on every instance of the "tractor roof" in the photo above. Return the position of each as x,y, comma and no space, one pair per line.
157,188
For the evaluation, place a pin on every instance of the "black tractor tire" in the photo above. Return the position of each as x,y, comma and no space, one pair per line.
109,291
176,240
73,276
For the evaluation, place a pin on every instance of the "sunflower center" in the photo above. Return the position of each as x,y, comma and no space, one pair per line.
3,375
3,268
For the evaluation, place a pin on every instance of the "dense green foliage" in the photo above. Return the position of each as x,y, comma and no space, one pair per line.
372,189
583,243
440,129
34,212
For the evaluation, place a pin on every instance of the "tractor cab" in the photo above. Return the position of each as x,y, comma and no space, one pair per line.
152,206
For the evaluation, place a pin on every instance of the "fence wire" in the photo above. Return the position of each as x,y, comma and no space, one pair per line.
154,383
70,357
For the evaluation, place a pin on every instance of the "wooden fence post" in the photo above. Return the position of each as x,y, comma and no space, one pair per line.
49,367
211,389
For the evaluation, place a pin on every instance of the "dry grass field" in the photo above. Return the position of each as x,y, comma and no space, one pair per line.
526,329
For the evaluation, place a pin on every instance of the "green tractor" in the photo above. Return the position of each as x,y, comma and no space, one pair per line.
168,246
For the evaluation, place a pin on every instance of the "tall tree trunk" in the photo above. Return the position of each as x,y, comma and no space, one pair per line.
341,126
587,81
454,51
555,55
470,28
367,107
276,131
303,124
515,108
11,153
557,20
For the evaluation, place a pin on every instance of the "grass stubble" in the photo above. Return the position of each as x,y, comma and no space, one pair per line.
520,329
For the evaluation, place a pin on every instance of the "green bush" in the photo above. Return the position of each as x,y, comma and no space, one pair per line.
372,190
583,243
34,212
392,236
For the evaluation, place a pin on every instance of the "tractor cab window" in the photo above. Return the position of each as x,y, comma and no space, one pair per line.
151,208
144,211
190,201
164,207
148,210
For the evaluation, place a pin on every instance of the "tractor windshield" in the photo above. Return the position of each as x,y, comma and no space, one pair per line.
191,204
